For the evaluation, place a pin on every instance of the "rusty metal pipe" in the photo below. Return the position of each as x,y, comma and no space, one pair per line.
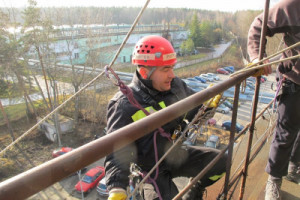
233,180
41,177
255,102
231,139
252,157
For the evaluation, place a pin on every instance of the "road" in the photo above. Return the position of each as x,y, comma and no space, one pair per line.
218,51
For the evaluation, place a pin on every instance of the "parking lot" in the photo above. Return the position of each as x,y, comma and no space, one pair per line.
245,108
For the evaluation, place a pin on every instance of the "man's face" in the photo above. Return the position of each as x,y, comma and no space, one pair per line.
162,77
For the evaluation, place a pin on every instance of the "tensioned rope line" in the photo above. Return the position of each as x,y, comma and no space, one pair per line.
83,88
275,54
255,66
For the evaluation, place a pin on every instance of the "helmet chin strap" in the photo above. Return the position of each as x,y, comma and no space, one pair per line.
151,72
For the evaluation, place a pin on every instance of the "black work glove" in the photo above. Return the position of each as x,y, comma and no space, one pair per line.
285,67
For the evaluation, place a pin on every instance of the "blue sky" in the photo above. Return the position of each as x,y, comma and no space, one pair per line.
223,5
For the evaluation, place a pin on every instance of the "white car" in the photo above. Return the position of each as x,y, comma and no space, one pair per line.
223,109
213,142
206,77
215,77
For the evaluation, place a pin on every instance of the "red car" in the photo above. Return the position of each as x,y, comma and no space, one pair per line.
90,179
222,71
61,151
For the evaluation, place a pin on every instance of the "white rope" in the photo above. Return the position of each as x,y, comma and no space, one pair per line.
264,65
255,66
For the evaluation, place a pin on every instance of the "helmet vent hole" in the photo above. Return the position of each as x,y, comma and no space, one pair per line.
142,51
138,51
146,46
152,47
141,46
148,51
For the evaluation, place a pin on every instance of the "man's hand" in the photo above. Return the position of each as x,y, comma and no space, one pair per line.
294,73
213,102
211,106
264,71
117,194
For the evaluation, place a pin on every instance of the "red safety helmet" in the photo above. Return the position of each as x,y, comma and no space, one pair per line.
154,51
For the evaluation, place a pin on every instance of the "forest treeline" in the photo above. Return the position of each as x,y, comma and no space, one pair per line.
237,23
126,15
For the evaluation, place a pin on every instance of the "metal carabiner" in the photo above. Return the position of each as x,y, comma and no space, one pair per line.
106,68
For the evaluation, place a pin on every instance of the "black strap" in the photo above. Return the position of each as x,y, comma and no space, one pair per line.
146,97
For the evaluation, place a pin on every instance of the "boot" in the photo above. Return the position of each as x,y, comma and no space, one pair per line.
293,174
195,193
273,188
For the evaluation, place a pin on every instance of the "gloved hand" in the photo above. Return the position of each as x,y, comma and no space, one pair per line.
294,73
210,111
117,194
213,102
285,67
264,71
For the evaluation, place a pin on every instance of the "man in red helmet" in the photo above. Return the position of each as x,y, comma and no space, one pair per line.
155,87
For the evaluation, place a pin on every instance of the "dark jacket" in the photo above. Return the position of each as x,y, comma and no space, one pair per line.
284,17
141,152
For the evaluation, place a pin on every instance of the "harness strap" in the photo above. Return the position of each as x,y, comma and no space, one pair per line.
279,84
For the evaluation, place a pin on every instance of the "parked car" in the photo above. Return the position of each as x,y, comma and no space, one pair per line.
212,122
264,77
228,104
215,77
90,179
230,69
206,77
101,188
213,142
231,101
227,125
61,151
222,71
222,109
252,79
192,79
200,79
191,139
250,85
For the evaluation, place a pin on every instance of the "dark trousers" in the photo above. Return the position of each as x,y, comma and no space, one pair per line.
285,146
188,163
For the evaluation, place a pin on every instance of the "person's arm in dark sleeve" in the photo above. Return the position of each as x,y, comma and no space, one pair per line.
281,18
117,164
